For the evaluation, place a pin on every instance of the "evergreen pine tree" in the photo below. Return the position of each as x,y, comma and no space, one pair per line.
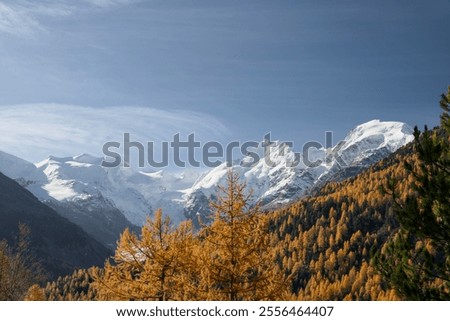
416,262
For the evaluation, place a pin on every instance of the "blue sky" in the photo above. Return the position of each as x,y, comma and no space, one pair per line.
294,68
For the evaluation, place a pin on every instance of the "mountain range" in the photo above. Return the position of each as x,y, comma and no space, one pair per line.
104,201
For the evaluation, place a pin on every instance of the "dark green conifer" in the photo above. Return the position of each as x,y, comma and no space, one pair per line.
416,262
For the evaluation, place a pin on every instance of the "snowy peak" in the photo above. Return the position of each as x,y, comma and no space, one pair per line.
370,142
381,134
68,179
88,159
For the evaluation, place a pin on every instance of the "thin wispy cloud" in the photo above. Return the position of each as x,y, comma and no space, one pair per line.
14,20
34,132
110,3
25,18
55,10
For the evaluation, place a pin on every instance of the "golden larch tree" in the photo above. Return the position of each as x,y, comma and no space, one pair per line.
238,260
149,267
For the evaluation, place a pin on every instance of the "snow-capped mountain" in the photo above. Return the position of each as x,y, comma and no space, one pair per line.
371,138
365,145
273,182
106,200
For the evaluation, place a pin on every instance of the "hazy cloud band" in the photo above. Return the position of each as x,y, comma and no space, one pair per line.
36,131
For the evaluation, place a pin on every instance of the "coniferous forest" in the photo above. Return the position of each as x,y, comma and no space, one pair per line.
382,235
